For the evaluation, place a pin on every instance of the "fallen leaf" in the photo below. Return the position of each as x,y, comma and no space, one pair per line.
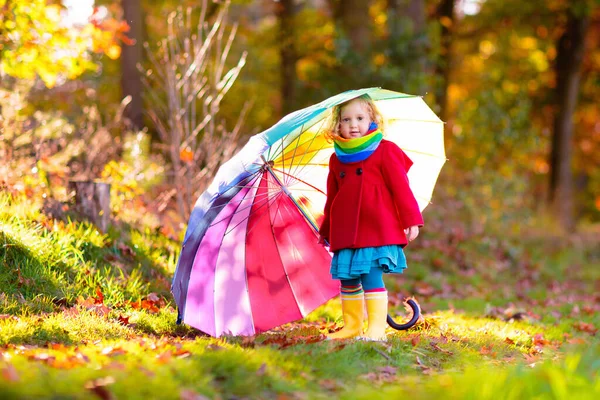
487,351
415,340
585,327
438,348
261,371
329,384
99,387
188,394
425,369
99,296
153,297
126,250
164,357
9,373
113,351
539,340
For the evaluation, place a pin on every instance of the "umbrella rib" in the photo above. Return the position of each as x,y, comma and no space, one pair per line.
254,176
298,165
312,140
415,120
293,154
298,180
423,198
263,212
262,196
275,150
263,202
424,154
239,184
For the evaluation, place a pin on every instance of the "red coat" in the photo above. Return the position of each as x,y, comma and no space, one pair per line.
369,203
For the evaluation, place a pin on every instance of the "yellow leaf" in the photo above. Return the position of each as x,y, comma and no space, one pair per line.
114,51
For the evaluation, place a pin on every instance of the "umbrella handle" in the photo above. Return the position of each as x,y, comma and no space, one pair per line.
416,314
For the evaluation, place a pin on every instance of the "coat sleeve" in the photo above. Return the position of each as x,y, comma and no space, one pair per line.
395,167
332,190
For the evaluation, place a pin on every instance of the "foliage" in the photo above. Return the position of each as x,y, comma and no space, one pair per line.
507,113
34,42
191,70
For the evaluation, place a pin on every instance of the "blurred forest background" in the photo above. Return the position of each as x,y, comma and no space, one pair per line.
152,95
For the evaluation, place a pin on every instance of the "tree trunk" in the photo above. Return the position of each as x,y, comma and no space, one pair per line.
285,11
352,17
92,200
131,56
570,52
355,21
445,14
406,18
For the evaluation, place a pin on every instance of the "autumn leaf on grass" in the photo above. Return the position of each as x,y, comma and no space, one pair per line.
57,347
339,346
381,375
164,357
262,370
538,340
487,351
188,394
113,351
100,297
94,304
9,373
99,387
330,384
424,368
123,320
531,359
585,327
126,250
438,348
150,306
424,289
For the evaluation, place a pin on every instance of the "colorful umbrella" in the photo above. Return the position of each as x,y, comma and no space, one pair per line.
250,259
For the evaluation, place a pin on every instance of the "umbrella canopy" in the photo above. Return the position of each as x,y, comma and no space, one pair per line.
250,259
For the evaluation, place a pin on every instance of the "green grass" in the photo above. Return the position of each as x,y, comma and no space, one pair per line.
509,318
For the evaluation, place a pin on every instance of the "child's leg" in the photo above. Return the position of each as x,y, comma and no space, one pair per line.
353,309
377,304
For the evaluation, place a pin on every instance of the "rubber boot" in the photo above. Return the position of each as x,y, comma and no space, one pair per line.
377,310
353,310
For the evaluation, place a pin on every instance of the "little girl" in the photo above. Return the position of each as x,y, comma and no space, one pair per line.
370,215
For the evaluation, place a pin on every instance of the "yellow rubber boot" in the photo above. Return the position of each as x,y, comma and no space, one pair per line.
377,310
353,307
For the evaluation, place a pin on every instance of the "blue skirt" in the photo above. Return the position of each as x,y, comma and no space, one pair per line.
352,263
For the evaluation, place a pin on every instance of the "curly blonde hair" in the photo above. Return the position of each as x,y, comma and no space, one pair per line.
332,128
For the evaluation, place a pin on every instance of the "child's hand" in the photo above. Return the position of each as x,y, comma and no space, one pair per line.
412,232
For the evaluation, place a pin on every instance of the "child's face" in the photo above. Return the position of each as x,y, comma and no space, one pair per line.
354,120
